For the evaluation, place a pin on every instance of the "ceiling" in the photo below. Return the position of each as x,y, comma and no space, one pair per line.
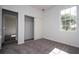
43,7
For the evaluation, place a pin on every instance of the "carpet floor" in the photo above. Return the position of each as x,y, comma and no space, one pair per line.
41,46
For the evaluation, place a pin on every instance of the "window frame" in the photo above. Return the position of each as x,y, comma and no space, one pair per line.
64,20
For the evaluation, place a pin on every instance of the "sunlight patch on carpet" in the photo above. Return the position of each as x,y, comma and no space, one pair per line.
57,51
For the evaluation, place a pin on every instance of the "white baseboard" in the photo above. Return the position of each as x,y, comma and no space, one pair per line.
63,42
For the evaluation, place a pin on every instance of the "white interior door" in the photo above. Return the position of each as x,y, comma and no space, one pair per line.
0,27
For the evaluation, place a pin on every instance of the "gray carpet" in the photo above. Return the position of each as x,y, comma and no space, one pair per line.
41,46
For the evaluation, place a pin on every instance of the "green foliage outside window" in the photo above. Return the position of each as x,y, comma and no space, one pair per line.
68,22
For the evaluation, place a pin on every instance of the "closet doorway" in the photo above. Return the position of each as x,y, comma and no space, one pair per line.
9,26
29,28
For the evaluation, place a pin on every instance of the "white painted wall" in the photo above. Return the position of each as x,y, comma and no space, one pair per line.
29,28
26,10
38,25
52,30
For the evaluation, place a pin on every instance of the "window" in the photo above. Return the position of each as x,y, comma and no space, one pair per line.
68,19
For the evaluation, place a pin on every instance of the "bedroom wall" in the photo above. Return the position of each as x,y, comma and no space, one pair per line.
52,30
26,10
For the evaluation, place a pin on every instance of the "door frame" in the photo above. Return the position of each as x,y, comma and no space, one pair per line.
5,11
